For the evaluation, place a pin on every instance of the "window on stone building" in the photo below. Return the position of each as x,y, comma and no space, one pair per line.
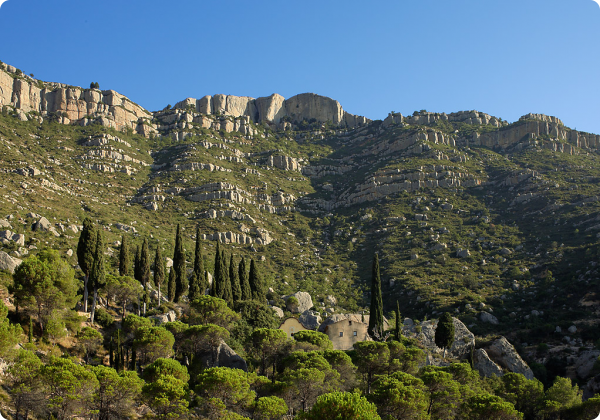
341,333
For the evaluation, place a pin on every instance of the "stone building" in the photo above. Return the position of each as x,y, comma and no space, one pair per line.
291,326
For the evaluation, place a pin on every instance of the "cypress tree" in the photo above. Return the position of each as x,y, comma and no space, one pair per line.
111,354
376,316
86,248
236,290
227,293
119,358
444,332
181,283
145,272
217,278
197,287
398,322
171,285
30,335
124,257
159,271
244,282
194,292
136,264
256,285
98,274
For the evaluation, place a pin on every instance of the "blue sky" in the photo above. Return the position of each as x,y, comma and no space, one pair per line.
506,58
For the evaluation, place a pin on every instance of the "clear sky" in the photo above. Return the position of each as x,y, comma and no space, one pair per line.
503,57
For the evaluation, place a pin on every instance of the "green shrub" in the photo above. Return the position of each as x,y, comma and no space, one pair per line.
103,318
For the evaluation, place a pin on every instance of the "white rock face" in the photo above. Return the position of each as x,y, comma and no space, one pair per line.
485,365
463,338
304,301
8,263
505,355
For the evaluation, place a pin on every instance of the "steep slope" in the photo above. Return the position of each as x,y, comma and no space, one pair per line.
496,222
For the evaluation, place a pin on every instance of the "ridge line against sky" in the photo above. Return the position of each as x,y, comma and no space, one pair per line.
504,58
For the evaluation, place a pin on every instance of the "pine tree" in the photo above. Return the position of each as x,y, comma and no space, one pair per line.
217,288
86,248
171,285
236,290
145,272
244,282
256,285
444,332
159,271
227,293
98,273
376,316
398,322
124,263
181,282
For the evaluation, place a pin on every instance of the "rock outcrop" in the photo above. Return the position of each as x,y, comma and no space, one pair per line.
275,109
464,339
485,365
304,302
71,104
8,263
503,353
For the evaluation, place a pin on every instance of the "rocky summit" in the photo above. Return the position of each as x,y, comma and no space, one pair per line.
495,221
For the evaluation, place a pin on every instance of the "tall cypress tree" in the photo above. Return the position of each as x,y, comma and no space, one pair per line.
236,290
159,271
136,264
98,274
217,288
244,282
171,285
197,280
145,272
227,293
181,282
376,317
124,263
398,322
86,249
256,284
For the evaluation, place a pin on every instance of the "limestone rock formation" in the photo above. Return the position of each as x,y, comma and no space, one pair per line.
8,263
304,301
505,355
485,365
464,339
226,357
70,104
274,109
488,318
310,319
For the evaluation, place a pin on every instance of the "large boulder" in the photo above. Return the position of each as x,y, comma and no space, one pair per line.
170,316
424,332
304,302
488,318
278,311
485,365
584,364
310,319
8,263
226,357
504,354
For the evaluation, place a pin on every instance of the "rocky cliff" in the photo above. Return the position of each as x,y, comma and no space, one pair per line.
70,104
275,109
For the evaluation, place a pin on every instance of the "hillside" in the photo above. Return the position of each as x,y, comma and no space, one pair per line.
491,220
